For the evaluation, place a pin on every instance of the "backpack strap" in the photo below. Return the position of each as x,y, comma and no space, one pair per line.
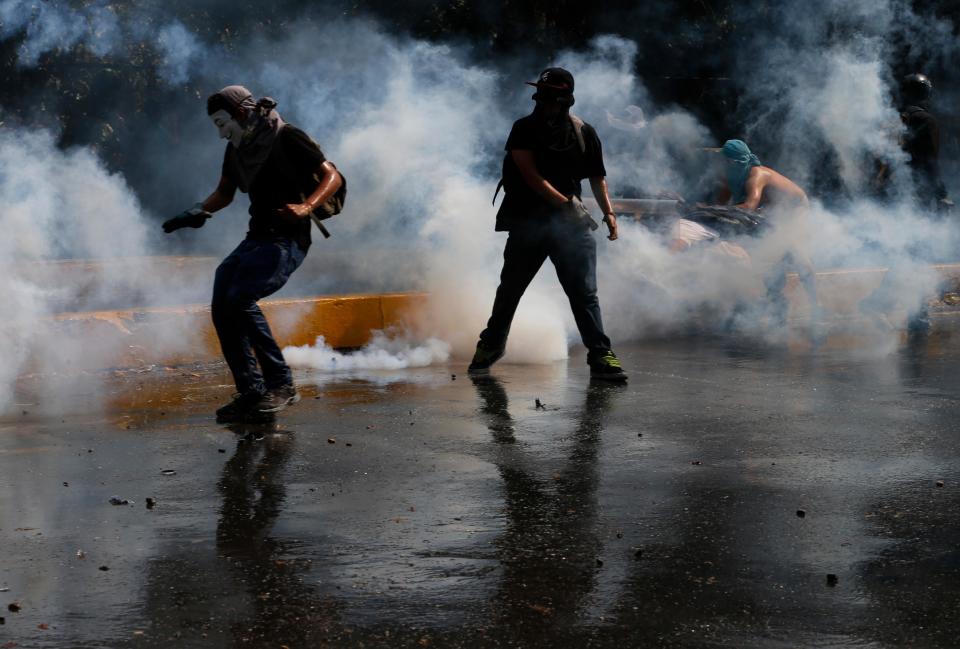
578,130
499,187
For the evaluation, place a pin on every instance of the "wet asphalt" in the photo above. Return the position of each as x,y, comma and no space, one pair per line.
705,504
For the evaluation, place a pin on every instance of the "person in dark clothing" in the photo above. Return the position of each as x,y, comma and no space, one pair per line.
287,177
549,152
921,141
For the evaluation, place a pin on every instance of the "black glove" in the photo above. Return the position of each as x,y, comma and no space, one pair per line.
194,217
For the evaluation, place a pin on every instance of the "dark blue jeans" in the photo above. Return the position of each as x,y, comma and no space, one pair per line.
253,271
573,251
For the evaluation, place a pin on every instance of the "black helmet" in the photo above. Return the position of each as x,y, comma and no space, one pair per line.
916,89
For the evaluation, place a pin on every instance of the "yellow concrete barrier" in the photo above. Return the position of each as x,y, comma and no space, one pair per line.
185,334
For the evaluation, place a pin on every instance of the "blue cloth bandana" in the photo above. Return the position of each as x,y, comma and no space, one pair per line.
739,162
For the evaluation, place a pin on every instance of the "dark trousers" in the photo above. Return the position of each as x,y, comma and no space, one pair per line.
573,251
253,271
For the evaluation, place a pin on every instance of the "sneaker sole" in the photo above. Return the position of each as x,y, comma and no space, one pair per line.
618,378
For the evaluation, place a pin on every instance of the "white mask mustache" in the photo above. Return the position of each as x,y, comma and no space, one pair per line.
228,127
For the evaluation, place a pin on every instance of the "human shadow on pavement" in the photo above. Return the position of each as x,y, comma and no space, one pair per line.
281,608
549,551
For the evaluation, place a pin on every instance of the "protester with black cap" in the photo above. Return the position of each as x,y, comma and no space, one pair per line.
287,178
548,153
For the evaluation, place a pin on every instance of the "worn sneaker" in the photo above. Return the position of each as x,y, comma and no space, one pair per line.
606,367
240,408
277,399
483,358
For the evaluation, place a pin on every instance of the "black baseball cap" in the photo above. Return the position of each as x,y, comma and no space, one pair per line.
555,79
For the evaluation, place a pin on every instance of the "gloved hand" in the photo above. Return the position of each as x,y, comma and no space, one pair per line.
194,217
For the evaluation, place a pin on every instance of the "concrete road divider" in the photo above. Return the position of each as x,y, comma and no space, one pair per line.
185,334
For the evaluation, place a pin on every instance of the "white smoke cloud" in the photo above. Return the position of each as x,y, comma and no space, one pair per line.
382,353
57,205
418,129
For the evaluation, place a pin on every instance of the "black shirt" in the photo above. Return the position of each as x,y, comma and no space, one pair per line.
558,158
287,176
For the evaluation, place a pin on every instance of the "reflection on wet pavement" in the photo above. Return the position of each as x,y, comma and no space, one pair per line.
527,508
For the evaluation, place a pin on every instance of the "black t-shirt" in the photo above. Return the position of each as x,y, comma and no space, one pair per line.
557,156
287,176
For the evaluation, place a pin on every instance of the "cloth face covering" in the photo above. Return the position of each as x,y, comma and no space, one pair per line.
257,135
228,127
739,163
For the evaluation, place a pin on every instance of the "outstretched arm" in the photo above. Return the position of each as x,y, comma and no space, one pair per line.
221,196
197,215
600,192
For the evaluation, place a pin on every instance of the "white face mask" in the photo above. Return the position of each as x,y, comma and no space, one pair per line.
228,127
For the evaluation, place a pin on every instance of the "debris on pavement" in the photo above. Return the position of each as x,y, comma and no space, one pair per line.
832,579
331,440
696,462
168,472
939,483
117,500
104,568
81,554
14,607
151,503
539,404
801,513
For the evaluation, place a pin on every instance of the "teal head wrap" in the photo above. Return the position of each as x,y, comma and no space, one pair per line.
739,162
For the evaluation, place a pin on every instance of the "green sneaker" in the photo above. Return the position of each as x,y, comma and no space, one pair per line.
483,358
606,367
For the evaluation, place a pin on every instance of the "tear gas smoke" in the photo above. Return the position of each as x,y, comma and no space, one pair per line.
382,353
418,129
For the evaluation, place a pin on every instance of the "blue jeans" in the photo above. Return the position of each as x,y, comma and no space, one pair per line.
573,251
253,271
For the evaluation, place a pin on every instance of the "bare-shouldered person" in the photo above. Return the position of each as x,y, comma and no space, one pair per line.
750,185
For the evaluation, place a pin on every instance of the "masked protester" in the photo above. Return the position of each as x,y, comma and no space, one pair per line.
549,152
750,185
286,176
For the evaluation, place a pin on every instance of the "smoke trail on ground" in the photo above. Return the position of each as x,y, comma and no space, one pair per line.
384,352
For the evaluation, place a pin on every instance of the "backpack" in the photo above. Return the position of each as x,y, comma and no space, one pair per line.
510,175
